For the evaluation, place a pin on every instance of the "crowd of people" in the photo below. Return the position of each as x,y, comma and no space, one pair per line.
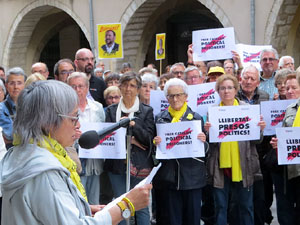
233,184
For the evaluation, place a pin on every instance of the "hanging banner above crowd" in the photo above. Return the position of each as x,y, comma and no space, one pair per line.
213,44
288,145
112,146
234,123
110,44
160,47
179,140
250,54
273,113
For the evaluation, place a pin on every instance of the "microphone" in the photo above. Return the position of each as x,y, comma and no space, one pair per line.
91,138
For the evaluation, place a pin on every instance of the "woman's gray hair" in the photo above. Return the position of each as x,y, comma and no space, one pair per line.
79,75
175,82
148,78
281,75
38,109
3,87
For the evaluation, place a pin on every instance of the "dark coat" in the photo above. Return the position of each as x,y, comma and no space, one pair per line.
180,174
143,131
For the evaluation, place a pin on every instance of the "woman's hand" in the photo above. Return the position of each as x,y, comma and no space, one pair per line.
236,58
261,123
77,133
207,125
274,142
157,140
190,53
139,196
202,137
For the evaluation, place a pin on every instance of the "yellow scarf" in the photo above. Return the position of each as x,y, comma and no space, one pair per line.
176,115
230,156
60,153
296,122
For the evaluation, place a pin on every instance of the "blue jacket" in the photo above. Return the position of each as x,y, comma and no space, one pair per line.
6,121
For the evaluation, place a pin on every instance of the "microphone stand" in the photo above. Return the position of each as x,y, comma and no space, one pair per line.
128,146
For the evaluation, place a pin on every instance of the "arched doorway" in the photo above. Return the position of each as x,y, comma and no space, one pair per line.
44,31
176,18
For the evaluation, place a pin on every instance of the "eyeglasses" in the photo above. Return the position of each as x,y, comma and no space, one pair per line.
74,119
172,96
128,85
193,78
268,59
15,83
229,88
78,86
86,59
113,97
177,72
65,72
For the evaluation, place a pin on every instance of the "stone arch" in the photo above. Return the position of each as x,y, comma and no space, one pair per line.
136,18
19,37
282,25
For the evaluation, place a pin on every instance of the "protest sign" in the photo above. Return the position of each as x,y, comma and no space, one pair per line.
206,96
213,44
250,54
112,146
288,145
110,43
160,49
179,140
273,113
159,102
234,123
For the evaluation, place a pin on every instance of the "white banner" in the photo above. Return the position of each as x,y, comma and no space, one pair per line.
234,123
273,113
288,145
213,44
179,140
250,54
113,146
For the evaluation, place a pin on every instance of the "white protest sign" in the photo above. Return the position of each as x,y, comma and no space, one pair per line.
160,103
288,145
273,113
250,54
113,146
234,123
213,44
179,140
206,96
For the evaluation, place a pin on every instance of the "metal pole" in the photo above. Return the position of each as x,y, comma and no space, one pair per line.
128,146
252,21
92,26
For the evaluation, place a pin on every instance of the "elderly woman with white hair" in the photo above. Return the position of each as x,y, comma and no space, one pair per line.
179,182
39,181
149,82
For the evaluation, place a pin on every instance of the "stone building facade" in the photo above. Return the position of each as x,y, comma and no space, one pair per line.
46,30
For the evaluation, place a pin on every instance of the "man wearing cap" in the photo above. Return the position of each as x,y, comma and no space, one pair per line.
214,73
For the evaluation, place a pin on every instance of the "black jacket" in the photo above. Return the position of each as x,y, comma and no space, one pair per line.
180,174
143,131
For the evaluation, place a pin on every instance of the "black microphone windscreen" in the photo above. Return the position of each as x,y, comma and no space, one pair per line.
89,139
